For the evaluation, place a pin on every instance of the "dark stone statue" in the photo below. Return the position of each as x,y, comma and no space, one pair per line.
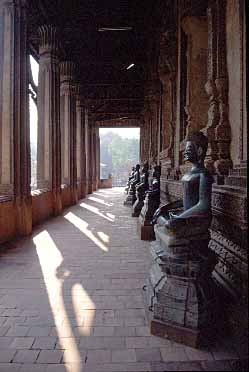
197,187
180,290
141,189
131,198
151,203
129,180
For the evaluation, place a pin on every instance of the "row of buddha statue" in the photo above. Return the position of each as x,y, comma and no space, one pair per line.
180,294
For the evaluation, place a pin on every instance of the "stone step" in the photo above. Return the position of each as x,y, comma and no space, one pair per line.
232,189
239,181
238,171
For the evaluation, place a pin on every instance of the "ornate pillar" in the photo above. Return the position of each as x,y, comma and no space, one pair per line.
213,110
87,148
97,158
49,137
90,153
68,127
94,158
196,100
153,98
14,115
222,130
80,143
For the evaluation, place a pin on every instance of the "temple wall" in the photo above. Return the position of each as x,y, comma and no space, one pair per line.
229,226
234,75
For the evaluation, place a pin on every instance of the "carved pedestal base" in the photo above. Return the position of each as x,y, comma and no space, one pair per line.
138,205
145,232
131,198
180,293
144,227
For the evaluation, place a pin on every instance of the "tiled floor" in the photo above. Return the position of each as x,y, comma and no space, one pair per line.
71,299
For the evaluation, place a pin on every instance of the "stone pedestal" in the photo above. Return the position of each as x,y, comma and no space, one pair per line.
131,198
144,226
139,203
151,203
180,293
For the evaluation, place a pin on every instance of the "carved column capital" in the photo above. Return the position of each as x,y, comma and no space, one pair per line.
67,71
49,39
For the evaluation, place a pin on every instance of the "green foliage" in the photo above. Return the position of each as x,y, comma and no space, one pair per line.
118,154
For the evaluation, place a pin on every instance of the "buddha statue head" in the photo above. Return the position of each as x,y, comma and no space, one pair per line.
196,148
145,167
156,172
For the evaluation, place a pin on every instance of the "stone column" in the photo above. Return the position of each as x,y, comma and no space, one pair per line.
97,158
80,143
197,104
93,162
90,154
68,127
14,115
49,136
87,149
223,129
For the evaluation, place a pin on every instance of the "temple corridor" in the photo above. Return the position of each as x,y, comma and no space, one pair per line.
71,298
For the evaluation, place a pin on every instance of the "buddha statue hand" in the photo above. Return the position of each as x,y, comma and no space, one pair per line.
166,210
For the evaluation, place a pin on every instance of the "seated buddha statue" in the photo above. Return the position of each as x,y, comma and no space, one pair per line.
131,198
180,289
194,210
141,189
130,179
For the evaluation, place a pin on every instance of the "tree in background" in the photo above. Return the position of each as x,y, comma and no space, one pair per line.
117,156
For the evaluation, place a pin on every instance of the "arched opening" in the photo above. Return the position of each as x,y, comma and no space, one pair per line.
33,115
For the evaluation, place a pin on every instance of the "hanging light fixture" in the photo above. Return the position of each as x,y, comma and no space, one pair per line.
130,66
102,29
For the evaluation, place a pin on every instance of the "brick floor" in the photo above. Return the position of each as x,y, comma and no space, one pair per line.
71,299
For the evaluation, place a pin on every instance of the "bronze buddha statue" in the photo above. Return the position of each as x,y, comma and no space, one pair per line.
131,198
197,188
141,189
180,289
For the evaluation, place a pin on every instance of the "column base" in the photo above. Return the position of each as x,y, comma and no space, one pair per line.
74,196
24,216
57,203
145,232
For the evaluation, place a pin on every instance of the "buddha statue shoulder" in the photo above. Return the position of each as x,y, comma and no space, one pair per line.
195,207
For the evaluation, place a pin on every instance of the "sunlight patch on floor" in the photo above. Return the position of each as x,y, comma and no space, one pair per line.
83,227
96,211
104,237
101,201
50,260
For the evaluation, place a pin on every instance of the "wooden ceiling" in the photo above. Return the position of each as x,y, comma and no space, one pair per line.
102,57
